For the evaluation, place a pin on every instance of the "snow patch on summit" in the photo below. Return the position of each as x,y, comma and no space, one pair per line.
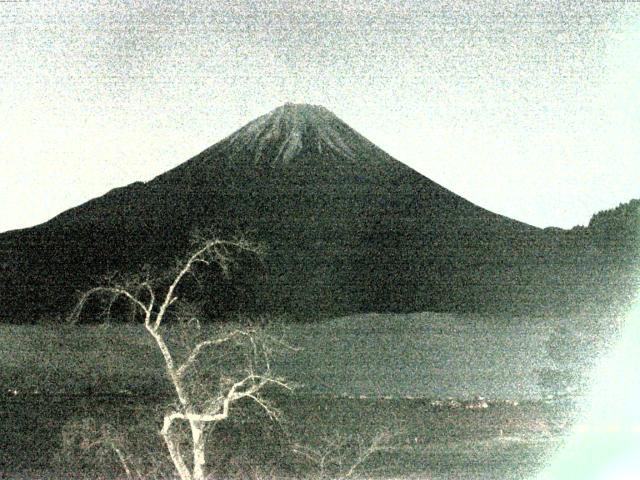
288,130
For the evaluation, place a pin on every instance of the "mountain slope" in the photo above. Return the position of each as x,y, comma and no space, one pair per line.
349,229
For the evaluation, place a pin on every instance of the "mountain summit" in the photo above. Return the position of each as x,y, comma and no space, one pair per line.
287,131
295,133
348,228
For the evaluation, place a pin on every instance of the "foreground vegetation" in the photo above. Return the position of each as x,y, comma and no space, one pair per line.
62,384
47,438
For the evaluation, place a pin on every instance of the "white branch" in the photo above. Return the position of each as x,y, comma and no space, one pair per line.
123,460
207,343
152,299
273,414
379,443
233,394
334,453
169,297
197,257
169,364
114,290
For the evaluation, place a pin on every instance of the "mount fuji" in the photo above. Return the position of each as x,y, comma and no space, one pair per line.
348,229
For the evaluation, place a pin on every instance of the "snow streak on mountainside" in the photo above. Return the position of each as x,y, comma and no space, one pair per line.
291,129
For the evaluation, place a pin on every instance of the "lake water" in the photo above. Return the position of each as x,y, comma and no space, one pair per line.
436,355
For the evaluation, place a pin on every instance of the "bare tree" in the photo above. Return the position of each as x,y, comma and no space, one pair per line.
193,407
102,442
341,457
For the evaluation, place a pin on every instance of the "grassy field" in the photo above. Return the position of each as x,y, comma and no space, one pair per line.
500,442
359,375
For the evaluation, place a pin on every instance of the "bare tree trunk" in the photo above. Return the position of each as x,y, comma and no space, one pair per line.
174,452
197,435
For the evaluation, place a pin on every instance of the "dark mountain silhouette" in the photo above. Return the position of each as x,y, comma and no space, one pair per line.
348,228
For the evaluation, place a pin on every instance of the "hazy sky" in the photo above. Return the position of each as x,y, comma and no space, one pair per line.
530,109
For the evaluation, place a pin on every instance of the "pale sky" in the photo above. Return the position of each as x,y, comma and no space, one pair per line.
530,109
